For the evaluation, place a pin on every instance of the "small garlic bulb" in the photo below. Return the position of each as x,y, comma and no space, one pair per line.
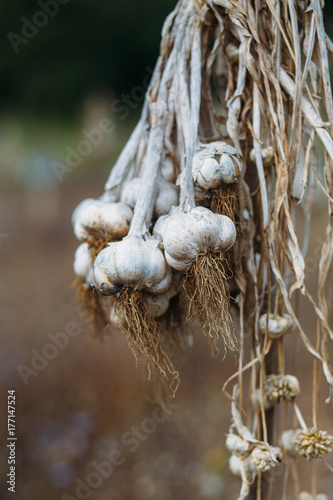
232,52
277,388
135,263
276,325
167,195
237,445
264,459
82,262
267,155
113,219
188,234
288,441
235,466
215,163
313,443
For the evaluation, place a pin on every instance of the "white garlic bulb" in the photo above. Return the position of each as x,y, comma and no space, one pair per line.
288,441
82,262
276,388
267,155
276,325
113,219
237,445
232,52
167,195
235,466
135,263
188,234
266,459
215,163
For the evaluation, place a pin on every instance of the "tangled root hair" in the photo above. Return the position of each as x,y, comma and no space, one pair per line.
98,240
142,334
207,289
225,202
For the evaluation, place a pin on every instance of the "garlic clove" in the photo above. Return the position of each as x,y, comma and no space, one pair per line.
130,192
168,170
277,326
112,219
134,262
167,197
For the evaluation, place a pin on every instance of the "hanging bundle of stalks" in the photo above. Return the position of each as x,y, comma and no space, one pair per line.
236,132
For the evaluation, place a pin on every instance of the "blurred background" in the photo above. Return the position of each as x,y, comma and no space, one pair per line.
66,66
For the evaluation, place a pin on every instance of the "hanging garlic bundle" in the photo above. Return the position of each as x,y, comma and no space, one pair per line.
207,183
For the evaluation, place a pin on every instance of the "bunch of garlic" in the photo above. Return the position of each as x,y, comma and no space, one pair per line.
276,388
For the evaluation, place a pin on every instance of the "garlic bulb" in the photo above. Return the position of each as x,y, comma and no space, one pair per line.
112,219
135,263
188,234
267,155
277,388
166,197
288,441
237,445
232,52
276,325
313,443
266,459
215,163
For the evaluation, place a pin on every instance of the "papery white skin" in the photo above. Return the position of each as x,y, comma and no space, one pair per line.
288,441
200,194
135,263
215,163
235,466
167,195
276,325
188,234
111,218
267,155
82,262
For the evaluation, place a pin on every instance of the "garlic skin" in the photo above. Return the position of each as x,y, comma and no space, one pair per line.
135,263
267,155
200,194
232,52
237,445
113,219
82,262
167,195
288,441
277,326
215,163
188,234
